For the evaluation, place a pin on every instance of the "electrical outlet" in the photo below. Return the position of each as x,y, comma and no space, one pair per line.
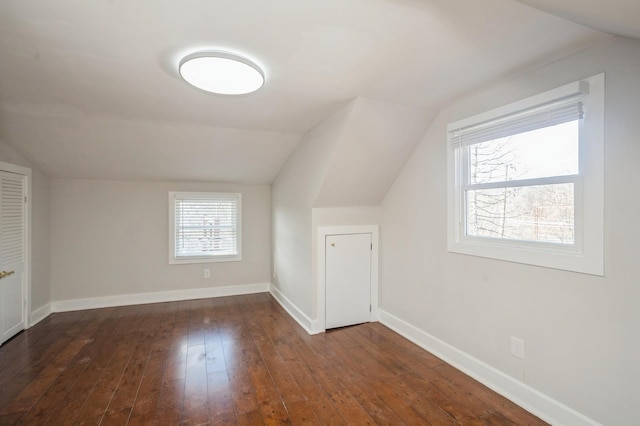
517,347
207,273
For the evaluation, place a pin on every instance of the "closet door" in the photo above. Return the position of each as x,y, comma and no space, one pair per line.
348,279
12,254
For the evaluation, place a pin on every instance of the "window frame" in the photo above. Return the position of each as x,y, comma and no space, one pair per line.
586,255
177,260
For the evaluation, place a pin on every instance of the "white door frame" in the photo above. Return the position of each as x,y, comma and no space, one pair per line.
323,232
26,274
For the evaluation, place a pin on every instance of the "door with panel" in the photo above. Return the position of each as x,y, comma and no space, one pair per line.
12,254
347,279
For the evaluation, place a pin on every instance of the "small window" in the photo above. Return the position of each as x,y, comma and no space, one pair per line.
204,227
526,180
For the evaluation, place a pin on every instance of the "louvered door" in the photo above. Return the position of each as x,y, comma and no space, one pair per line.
12,254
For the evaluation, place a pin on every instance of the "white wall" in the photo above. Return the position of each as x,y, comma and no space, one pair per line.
377,141
339,170
345,216
40,209
111,238
294,193
580,331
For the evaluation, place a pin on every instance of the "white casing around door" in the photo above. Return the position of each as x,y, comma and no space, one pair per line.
12,254
347,279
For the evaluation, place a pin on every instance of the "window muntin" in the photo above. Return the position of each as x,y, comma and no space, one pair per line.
526,181
204,227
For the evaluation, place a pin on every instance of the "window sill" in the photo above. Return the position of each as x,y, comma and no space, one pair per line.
204,259
544,255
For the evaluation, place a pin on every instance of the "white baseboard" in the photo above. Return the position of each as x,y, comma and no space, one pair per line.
525,396
156,297
305,322
39,314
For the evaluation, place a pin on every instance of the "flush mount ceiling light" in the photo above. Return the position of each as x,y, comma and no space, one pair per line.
222,73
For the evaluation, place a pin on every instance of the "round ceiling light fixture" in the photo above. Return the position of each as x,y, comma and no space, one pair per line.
222,73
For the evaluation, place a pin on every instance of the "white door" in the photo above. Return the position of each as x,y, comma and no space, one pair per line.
348,279
12,249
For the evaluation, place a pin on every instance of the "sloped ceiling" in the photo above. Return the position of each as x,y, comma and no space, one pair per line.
375,143
89,89
619,17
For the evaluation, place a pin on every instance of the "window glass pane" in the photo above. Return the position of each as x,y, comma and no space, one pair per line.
542,213
205,227
550,151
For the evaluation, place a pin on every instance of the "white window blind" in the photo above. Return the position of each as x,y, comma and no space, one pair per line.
205,226
550,114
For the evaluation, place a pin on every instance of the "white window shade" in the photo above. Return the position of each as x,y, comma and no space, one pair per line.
205,227
550,114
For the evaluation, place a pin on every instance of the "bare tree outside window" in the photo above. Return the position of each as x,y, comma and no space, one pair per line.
525,180
543,213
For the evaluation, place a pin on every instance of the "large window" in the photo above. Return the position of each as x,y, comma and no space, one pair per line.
204,227
526,180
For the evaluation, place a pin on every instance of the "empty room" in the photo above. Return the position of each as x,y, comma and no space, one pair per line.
405,212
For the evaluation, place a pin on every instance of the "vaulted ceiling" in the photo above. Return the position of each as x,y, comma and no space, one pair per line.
619,17
90,89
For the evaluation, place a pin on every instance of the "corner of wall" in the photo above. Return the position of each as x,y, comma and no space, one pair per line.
543,406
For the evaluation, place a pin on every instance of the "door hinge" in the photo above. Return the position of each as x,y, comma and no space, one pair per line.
369,308
371,246
25,200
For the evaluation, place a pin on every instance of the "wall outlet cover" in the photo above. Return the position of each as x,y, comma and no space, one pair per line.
517,347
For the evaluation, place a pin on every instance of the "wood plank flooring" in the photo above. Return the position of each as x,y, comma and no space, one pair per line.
234,360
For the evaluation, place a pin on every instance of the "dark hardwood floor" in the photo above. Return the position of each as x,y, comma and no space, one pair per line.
233,360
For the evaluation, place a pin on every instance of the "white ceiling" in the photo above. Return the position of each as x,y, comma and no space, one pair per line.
619,17
89,89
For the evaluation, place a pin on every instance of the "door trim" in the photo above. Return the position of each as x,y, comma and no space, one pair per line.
26,274
319,325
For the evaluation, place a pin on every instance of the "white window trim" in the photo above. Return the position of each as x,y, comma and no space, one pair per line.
204,259
587,254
